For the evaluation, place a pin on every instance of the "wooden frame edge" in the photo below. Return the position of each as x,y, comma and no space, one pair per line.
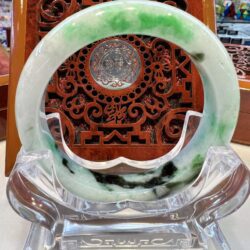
18,34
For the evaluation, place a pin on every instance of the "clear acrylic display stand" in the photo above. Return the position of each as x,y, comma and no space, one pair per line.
186,219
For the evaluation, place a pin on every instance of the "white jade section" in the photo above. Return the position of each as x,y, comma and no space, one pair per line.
130,17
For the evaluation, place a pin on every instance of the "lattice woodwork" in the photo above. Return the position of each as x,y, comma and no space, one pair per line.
151,111
101,124
241,58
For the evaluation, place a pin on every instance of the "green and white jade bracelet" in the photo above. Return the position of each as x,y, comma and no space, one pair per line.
131,17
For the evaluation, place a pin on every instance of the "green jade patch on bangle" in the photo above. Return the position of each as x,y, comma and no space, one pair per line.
142,18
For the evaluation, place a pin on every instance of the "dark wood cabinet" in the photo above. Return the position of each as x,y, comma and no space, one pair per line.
241,58
242,132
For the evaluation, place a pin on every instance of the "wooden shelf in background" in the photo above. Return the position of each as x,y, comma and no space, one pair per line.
242,132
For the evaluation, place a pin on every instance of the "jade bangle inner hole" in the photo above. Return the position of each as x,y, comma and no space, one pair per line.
112,74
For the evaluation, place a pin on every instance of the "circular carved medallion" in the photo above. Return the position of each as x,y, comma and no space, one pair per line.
115,64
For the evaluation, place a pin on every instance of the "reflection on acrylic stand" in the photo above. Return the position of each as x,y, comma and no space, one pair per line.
185,219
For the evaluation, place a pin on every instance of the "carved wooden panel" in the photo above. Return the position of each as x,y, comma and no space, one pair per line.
241,58
102,121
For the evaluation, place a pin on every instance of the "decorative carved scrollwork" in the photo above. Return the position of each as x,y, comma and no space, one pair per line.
141,104
52,12
150,111
241,58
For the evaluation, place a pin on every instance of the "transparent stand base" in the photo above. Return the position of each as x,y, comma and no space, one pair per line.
187,219
156,238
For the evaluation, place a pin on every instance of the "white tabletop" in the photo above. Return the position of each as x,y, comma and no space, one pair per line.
14,229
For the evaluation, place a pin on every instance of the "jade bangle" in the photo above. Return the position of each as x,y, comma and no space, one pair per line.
133,17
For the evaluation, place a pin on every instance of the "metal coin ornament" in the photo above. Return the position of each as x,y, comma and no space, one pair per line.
161,176
115,64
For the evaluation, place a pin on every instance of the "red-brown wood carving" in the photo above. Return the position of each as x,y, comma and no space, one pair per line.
241,58
142,121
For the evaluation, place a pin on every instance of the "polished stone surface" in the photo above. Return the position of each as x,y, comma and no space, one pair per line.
118,18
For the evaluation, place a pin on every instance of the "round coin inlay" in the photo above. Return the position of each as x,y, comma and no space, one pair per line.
115,64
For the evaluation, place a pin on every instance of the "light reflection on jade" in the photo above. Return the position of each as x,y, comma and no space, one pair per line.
133,17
